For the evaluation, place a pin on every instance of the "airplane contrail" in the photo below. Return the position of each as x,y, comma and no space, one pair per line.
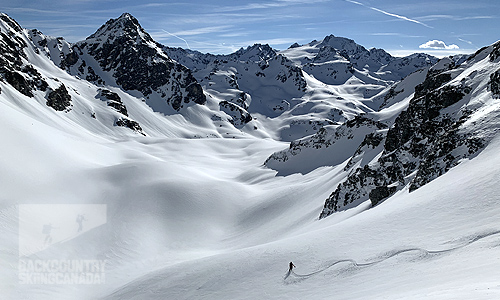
178,38
388,13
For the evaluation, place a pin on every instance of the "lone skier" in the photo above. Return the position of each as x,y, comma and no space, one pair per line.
290,267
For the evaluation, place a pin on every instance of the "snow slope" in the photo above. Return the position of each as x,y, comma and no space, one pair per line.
440,242
201,219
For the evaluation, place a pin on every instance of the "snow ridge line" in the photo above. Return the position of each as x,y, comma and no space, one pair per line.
470,240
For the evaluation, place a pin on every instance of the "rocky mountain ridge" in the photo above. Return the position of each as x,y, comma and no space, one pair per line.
251,90
123,54
298,88
428,123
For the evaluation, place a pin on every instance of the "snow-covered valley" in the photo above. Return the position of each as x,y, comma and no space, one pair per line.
206,185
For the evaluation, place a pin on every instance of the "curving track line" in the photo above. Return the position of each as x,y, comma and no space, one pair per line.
469,241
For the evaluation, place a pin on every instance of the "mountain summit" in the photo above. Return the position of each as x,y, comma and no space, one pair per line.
125,26
123,54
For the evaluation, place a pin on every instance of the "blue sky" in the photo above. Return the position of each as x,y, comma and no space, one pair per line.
400,27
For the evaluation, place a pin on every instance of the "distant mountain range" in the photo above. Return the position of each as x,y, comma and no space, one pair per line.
393,123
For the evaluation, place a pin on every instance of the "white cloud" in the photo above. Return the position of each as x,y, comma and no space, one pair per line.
436,44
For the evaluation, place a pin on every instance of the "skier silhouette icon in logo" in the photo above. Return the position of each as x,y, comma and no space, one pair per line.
79,219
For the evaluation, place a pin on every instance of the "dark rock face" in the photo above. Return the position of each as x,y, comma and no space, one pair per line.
364,121
242,100
59,99
495,84
13,24
14,65
133,125
130,70
371,141
12,52
69,60
423,141
114,101
195,92
381,192
239,116
417,122
431,82
495,53
19,82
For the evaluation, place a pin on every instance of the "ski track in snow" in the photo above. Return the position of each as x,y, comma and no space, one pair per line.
295,278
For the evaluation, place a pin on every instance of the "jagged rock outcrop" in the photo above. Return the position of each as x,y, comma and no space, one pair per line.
239,116
256,53
131,124
59,99
19,82
15,68
495,84
113,100
495,52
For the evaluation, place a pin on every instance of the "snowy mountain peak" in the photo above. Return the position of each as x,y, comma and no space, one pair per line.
125,26
127,16
341,43
121,53
255,53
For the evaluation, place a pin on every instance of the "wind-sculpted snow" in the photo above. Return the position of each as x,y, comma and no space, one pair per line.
441,239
